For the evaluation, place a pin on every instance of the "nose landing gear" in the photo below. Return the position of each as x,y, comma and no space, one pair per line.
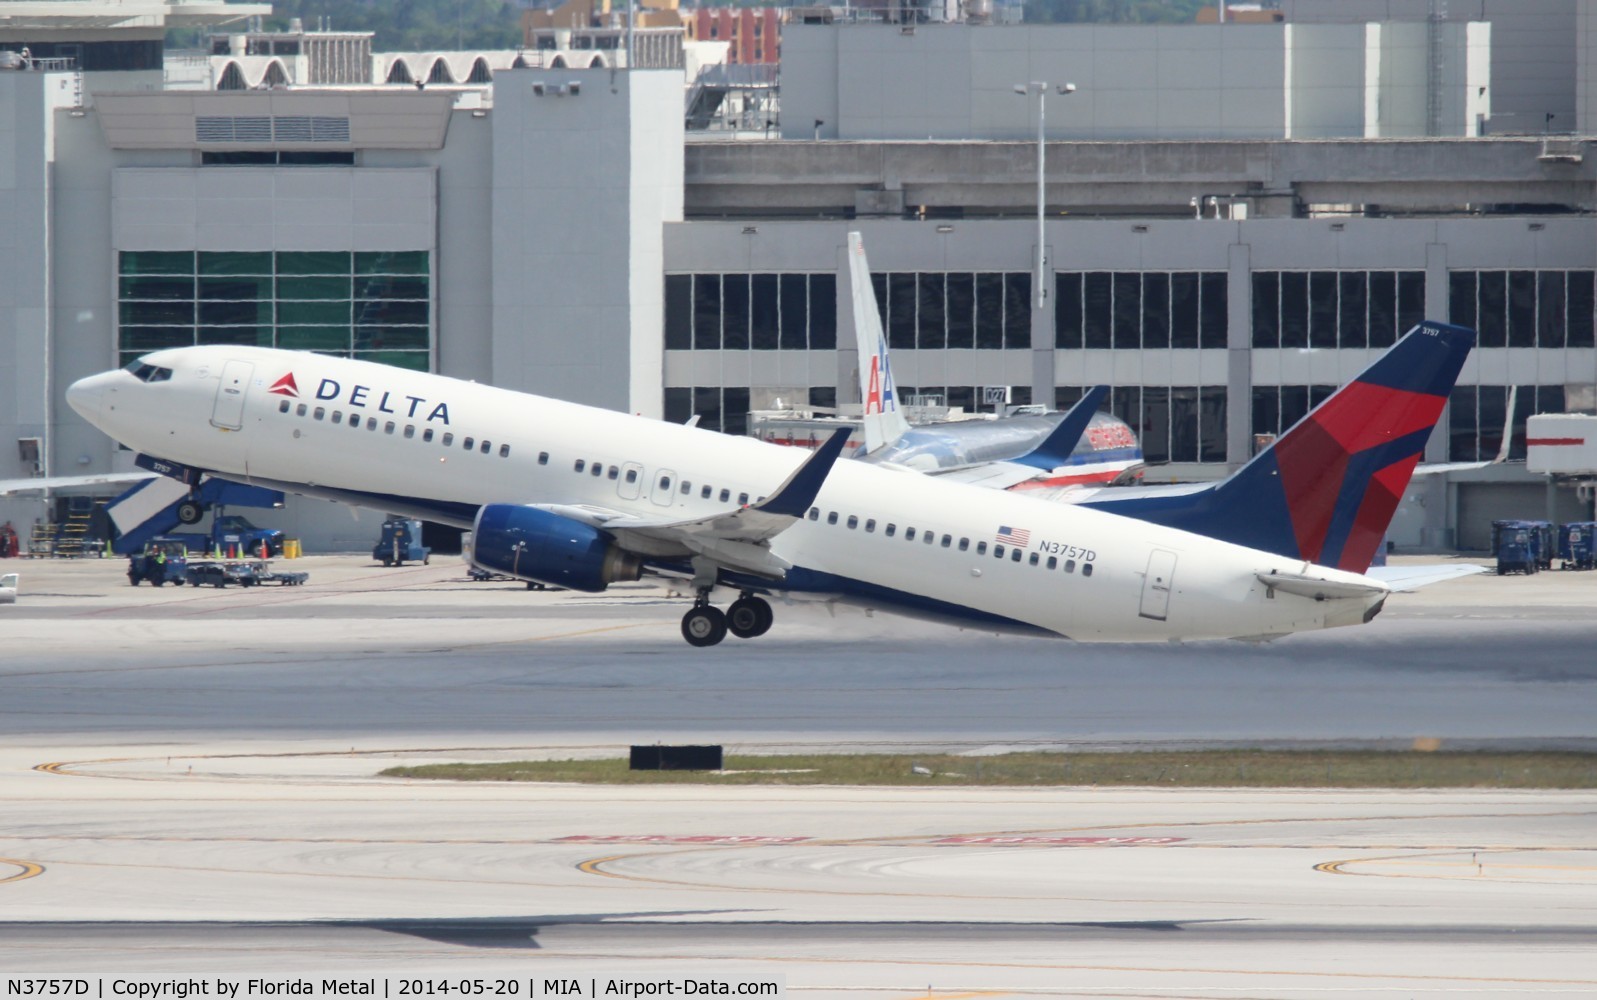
706,625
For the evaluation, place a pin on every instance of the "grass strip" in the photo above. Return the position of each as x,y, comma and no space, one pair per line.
1183,769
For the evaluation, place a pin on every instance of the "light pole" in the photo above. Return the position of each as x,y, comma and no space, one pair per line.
1041,89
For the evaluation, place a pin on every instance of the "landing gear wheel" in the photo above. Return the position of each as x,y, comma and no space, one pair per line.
749,617
703,626
190,512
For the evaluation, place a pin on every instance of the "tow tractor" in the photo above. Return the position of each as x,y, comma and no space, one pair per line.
163,561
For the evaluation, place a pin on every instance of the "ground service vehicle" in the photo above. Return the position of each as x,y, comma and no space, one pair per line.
163,561
401,542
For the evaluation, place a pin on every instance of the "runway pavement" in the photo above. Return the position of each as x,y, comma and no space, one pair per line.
187,779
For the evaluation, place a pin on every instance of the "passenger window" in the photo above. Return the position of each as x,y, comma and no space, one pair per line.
632,475
964,543
998,551
1053,562
467,444
543,458
371,423
890,530
831,517
704,494
743,499
338,416
948,540
388,428
931,536
449,439
299,411
597,469
1014,555
580,465
909,534
853,522
870,524
981,548
427,435
687,487
319,413
1086,569
354,421
410,430
665,482
282,407
815,513
504,451
726,495
485,447
1070,565
1032,559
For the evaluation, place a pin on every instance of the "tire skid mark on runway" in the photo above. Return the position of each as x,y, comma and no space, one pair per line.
1337,867
254,872
29,870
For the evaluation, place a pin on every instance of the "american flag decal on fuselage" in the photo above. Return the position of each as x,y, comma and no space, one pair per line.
1014,536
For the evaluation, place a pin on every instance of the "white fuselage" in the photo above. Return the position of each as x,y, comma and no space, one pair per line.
365,432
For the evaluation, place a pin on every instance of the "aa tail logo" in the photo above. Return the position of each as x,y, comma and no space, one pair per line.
285,386
879,394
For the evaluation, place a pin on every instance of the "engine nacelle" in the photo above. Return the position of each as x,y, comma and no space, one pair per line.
532,544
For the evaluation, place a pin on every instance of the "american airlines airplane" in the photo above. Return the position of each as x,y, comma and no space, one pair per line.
579,497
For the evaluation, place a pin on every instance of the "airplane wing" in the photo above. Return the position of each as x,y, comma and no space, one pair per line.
13,487
1407,578
739,538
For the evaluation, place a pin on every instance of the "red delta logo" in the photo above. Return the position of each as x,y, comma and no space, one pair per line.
285,386
879,388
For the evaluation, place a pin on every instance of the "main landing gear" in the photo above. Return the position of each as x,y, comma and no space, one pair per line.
706,625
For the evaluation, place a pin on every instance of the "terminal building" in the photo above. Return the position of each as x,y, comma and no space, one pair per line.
1237,217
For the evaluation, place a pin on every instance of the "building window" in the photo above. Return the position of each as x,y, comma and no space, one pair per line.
956,309
1524,308
369,305
1177,423
1478,413
1277,407
762,312
1330,309
1140,310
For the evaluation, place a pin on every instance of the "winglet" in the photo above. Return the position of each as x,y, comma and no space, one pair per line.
1062,440
795,496
884,419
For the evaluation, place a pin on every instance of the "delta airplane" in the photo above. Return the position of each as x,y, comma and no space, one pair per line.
1022,452
580,497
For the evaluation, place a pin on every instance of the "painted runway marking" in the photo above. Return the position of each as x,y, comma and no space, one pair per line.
28,870
647,838
996,841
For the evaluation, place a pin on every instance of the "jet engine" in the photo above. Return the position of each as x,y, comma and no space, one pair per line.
532,544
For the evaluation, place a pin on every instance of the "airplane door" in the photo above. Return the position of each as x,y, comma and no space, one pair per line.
630,485
1156,584
662,484
228,412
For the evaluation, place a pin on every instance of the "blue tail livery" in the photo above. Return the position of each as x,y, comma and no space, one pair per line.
1327,489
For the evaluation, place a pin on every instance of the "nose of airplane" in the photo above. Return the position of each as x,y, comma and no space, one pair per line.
86,395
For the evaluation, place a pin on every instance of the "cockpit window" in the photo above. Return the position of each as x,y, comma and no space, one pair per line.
147,372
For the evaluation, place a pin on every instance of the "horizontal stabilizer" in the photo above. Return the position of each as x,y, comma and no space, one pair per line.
1318,588
1414,577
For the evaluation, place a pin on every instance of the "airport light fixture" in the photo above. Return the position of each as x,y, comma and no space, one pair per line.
1040,88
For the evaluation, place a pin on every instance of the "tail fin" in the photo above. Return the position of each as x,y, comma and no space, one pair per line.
1055,449
1327,489
884,419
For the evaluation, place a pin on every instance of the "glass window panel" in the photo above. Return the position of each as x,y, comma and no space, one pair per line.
1551,319
1322,309
156,262
1266,309
1383,308
1125,402
313,313
764,315
236,313
1522,309
1067,311
823,312
1461,298
235,263
392,312
1155,430
1491,410
735,312
931,333
313,262
707,405
962,396
1212,406
1294,309
794,298
167,288
391,262
237,289
901,301
1492,309
153,338
1294,404
989,311
1128,310
707,312
1185,423
155,313
1410,300
1155,310
1266,410
1184,321
1098,310
1581,305
961,310
879,290
259,336
314,338
735,411
1353,323
1214,308
414,360
678,404
678,312
391,338
1017,310
313,288
389,287
823,395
